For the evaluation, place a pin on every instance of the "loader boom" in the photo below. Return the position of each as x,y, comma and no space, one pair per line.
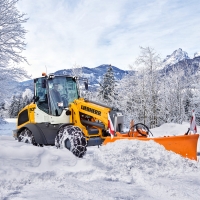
92,118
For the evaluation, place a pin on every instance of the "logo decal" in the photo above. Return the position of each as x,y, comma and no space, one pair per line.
91,110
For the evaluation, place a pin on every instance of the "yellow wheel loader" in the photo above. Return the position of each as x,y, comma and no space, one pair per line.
59,116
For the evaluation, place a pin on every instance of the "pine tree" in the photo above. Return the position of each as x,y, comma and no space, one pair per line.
11,107
20,103
107,86
25,101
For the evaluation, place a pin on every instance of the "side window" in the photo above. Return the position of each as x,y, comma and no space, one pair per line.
41,93
71,90
61,92
56,95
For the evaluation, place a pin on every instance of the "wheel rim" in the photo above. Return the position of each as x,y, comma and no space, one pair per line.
26,137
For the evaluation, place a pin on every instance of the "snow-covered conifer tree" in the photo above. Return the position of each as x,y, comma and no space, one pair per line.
17,103
27,96
107,86
25,101
11,109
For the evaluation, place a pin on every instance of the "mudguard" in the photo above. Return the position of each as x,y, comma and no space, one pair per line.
37,133
44,133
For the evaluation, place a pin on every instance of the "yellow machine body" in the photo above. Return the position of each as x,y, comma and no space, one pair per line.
98,117
28,117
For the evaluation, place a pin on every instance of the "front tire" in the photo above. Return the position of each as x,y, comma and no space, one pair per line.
26,136
72,138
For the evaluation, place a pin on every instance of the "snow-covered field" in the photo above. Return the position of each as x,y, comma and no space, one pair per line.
121,170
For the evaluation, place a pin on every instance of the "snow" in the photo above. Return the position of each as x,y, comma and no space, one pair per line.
197,54
91,75
125,169
175,57
27,93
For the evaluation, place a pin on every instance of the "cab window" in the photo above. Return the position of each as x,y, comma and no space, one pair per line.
41,94
62,91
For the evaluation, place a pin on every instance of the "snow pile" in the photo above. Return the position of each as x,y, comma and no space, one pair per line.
170,129
23,164
2,121
132,160
33,158
123,160
125,169
7,126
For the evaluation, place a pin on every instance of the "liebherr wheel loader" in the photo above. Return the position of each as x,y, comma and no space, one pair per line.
59,116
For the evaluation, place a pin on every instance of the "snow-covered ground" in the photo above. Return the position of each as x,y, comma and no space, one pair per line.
121,170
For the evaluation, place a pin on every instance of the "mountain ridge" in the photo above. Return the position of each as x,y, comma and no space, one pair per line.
178,59
177,56
94,75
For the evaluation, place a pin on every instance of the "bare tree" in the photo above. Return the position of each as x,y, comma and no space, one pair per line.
12,33
77,70
149,62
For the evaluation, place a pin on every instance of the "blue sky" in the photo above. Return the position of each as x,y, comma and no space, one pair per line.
64,33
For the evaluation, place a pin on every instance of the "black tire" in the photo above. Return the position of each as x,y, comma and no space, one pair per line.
26,136
72,138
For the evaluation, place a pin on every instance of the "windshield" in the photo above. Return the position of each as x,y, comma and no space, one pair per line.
62,91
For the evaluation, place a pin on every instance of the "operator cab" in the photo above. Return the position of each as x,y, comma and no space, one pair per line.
54,93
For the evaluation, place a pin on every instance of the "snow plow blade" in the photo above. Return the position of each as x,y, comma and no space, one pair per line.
185,145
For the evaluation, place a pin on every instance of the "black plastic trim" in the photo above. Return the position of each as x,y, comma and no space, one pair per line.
66,124
37,133
94,141
23,117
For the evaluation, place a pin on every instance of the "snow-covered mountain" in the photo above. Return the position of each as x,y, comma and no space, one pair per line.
178,59
94,75
177,56
197,54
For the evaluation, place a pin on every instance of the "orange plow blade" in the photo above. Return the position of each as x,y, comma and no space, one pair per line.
185,145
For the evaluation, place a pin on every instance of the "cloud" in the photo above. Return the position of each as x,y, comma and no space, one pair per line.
93,32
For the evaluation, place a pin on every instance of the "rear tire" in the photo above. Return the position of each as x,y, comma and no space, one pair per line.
26,136
72,138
